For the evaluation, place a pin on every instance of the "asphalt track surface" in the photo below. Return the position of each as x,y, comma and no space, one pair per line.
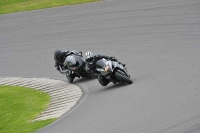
158,40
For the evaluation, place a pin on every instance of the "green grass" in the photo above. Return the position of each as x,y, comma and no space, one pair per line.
10,6
19,106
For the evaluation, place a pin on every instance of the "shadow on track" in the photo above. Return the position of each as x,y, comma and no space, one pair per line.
112,86
81,80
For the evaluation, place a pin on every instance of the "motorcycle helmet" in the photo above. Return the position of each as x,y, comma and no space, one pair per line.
58,54
89,56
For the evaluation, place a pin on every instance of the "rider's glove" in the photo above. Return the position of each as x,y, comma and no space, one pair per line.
58,68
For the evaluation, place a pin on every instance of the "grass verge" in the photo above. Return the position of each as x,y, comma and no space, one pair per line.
19,106
10,6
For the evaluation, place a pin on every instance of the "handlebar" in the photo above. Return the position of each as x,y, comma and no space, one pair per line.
65,71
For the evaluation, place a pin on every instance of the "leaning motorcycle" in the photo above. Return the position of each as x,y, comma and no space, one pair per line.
74,65
113,71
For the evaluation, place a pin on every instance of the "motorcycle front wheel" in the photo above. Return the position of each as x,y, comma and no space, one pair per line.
123,78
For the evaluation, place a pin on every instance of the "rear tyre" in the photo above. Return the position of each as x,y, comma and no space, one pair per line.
123,78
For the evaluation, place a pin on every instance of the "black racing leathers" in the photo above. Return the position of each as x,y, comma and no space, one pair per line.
59,63
91,68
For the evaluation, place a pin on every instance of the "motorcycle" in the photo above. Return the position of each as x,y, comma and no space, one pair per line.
113,71
74,65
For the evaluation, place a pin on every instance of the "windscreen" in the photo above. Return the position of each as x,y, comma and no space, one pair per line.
70,61
101,63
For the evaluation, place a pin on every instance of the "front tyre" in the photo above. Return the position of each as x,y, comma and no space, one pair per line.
123,78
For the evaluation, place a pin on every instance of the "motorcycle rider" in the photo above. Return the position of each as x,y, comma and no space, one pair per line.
91,66
60,56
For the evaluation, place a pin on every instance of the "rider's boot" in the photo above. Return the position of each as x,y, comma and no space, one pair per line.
70,78
103,81
76,75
